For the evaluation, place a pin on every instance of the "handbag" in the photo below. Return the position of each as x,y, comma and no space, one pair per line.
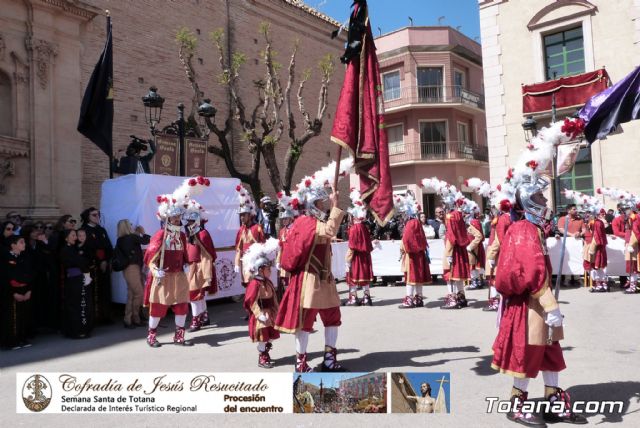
119,260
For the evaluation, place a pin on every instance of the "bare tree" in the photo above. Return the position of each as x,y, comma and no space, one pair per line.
265,125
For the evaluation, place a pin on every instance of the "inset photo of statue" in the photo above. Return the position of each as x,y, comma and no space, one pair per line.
420,393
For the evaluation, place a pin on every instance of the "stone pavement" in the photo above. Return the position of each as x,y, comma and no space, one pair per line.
601,349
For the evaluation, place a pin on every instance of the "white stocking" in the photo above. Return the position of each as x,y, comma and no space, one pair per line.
180,319
474,274
521,384
195,309
262,346
550,378
418,290
154,321
302,339
410,289
493,292
331,336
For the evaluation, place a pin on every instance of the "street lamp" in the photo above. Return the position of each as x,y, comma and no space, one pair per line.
530,128
153,103
206,111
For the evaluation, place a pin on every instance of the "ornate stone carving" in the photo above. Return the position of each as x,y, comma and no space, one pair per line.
45,52
20,69
7,169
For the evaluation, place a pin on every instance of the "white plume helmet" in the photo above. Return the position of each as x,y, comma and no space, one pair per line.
260,254
314,187
194,211
470,206
177,202
481,187
448,192
288,205
406,204
619,196
591,204
358,208
245,201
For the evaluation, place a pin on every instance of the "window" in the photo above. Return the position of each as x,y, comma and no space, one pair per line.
580,179
6,110
430,84
463,134
459,83
564,53
433,140
395,136
391,84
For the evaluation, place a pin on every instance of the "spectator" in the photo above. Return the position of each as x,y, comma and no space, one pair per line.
134,162
438,223
65,222
17,220
99,244
36,253
129,244
78,311
15,286
576,229
8,227
486,221
48,230
266,216
429,232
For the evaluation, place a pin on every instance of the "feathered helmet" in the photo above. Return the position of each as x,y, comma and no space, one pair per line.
527,178
502,196
450,195
619,196
470,207
406,204
316,187
358,208
194,212
245,201
590,204
288,205
176,203
260,254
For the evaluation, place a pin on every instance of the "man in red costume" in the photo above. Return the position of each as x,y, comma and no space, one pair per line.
288,213
202,268
477,258
249,233
358,258
456,257
619,227
632,241
307,256
525,345
499,226
413,253
596,252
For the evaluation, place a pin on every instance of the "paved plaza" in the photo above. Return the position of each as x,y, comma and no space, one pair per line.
601,349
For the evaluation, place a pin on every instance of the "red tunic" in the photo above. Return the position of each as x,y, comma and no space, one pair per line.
618,226
457,238
480,253
173,260
361,270
600,238
247,236
193,251
524,274
259,297
414,244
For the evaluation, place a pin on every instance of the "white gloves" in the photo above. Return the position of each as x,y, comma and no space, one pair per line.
450,260
469,249
263,317
236,269
630,249
554,318
492,263
347,267
87,279
159,273
277,266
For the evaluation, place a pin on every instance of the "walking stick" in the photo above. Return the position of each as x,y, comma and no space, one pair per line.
559,274
335,178
164,237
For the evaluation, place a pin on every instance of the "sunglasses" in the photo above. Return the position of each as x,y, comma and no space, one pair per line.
72,221
38,227
48,227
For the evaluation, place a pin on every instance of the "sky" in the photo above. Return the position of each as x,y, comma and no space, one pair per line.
416,380
391,15
329,380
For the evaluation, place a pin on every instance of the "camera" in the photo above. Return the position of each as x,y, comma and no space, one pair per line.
137,145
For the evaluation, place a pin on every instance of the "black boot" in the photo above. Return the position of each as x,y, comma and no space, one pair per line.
554,394
518,397
330,363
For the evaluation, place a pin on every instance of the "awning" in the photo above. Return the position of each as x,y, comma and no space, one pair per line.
571,91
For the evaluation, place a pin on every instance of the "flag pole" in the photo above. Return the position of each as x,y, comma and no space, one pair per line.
337,175
108,13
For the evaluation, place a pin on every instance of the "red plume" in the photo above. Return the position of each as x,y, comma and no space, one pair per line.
192,182
505,205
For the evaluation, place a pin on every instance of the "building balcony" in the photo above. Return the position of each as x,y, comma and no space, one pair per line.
421,96
438,151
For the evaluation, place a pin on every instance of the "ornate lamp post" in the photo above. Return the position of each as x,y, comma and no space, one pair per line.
153,103
206,111
530,128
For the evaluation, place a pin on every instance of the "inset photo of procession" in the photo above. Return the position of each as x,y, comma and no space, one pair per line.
340,393
420,393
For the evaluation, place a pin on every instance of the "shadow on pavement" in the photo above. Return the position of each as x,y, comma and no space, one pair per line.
626,392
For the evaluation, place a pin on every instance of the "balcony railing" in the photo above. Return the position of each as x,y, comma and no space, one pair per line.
398,97
442,150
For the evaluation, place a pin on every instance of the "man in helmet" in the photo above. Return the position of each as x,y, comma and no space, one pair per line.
288,213
249,233
525,345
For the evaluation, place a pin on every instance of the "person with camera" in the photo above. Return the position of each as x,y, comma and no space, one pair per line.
134,162
267,215
129,247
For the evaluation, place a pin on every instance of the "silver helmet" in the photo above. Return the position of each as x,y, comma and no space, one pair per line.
530,186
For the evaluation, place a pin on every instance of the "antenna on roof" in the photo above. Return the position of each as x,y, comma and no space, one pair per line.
410,22
458,28
440,20
380,31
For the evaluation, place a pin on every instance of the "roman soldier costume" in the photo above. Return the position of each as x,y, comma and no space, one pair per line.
202,269
531,321
248,234
260,299
306,254
168,286
289,206
477,258
413,252
358,259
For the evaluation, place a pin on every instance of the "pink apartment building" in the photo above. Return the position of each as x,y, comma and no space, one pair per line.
434,103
